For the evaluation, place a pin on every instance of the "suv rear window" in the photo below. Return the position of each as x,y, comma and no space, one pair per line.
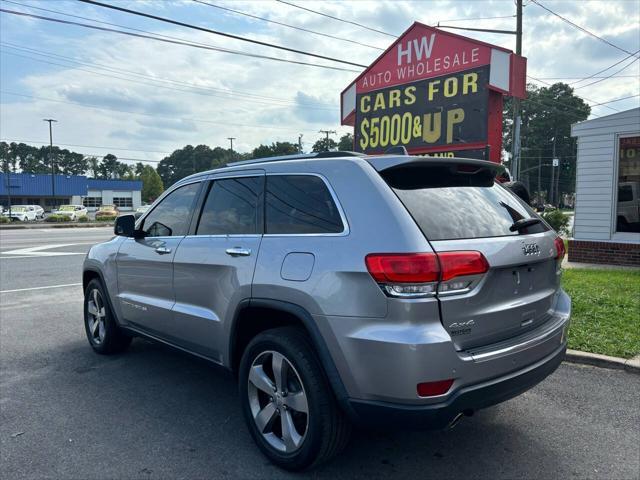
448,204
300,204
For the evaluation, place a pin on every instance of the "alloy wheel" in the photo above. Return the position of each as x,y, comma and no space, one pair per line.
96,316
278,401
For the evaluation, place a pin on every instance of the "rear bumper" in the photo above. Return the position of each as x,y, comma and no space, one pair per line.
473,397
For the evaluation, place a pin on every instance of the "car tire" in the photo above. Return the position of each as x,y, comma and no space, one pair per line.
313,437
103,332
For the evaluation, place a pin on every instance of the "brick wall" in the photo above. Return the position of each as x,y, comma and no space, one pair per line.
604,252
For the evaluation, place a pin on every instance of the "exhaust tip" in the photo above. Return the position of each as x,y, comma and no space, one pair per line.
455,421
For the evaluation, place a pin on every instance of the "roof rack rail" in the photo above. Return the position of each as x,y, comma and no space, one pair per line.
295,156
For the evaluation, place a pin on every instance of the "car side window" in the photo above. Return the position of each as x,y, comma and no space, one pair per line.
170,218
232,207
300,204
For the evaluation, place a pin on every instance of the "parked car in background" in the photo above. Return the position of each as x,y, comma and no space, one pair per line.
388,291
107,212
141,210
39,211
21,213
74,212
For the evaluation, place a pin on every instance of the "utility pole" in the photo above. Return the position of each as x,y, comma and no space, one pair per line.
515,140
327,132
300,143
552,195
53,165
539,171
231,139
8,174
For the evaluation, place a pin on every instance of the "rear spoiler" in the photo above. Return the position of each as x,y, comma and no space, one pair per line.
468,165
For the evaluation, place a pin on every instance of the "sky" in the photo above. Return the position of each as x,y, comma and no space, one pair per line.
140,99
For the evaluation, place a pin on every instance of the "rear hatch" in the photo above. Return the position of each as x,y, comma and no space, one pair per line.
460,208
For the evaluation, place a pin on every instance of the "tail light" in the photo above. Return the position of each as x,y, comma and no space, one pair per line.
422,274
405,274
560,250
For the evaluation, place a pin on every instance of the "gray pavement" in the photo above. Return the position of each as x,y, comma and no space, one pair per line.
155,413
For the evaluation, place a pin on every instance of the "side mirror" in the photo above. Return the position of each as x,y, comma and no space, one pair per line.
125,226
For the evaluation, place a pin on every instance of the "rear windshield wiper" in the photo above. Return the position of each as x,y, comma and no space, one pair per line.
523,223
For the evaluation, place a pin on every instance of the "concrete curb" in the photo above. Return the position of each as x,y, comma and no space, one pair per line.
55,225
631,365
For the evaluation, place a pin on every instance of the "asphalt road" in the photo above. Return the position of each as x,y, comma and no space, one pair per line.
155,413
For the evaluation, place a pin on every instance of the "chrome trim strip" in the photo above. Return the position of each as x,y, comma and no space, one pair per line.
481,354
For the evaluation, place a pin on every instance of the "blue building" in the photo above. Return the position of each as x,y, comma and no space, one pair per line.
36,189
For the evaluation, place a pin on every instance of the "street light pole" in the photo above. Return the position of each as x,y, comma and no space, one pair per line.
53,166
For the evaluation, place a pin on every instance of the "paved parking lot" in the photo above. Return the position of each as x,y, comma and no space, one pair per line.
156,413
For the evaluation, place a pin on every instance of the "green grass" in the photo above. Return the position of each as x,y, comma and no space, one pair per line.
605,312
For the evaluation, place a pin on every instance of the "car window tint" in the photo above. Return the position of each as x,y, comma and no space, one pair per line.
452,205
299,204
231,207
171,217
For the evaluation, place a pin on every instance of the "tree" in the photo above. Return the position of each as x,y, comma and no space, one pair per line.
324,145
189,160
70,163
546,113
346,143
109,167
151,183
274,150
93,165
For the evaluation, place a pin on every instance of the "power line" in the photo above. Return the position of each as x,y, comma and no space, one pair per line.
223,34
238,12
583,98
195,89
338,19
610,76
476,18
85,146
582,29
187,44
129,112
580,78
616,100
604,70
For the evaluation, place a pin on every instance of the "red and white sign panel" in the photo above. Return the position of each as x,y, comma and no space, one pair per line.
422,53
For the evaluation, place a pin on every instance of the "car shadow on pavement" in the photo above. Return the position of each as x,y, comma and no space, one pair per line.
154,412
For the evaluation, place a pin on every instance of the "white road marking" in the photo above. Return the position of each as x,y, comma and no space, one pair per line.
17,256
41,288
37,251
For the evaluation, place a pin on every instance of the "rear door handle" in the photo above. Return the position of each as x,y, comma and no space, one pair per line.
238,252
163,250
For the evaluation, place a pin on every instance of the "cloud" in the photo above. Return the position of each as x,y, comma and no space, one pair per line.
260,101
313,110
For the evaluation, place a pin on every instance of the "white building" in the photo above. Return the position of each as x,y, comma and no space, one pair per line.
607,213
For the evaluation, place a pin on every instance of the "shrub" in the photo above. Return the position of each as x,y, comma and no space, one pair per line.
83,219
4,219
105,218
558,221
55,218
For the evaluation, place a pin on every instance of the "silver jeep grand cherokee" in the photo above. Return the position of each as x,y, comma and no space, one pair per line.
341,289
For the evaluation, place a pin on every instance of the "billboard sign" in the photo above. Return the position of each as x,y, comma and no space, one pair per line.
433,92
